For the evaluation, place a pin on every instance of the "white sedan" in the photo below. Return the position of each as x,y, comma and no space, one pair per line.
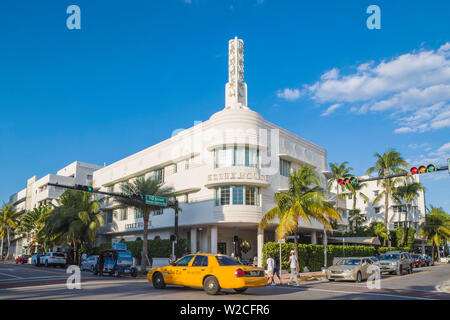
445,259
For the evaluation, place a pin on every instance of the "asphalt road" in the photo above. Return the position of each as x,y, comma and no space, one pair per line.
30,282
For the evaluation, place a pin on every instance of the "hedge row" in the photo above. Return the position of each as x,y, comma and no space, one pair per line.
312,256
158,248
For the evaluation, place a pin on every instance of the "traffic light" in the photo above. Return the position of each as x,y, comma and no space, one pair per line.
423,169
173,238
135,196
349,180
84,188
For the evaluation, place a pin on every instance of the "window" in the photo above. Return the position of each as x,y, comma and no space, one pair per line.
224,196
250,196
238,195
228,156
227,261
285,168
158,212
350,196
375,193
158,175
183,262
123,214
109,216
138,213
377,210
200,261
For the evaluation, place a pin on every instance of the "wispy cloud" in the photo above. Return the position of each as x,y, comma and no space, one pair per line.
414,88
289,94
331,109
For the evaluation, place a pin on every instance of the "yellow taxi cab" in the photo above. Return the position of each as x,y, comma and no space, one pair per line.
210,271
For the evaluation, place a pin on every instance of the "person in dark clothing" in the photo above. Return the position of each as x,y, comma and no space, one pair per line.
277,269
100,263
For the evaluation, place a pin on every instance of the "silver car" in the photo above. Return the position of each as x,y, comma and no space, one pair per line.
89,263
355,269
396,262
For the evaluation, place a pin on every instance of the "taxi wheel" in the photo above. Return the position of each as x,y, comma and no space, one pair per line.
158,281
240,290
211,285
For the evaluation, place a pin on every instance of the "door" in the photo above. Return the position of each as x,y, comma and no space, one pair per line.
178,272
197,271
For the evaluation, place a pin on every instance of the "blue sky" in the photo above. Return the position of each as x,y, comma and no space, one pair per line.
137,70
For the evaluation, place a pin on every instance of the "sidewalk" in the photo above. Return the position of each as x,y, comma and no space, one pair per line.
303,276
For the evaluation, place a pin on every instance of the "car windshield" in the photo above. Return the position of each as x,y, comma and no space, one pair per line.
391,256
227,261
349,262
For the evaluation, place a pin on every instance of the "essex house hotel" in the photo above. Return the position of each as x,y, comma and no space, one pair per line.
224,170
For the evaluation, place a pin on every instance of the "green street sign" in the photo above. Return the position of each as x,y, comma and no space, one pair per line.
156,201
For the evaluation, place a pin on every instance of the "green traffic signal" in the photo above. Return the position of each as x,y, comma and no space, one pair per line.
431,168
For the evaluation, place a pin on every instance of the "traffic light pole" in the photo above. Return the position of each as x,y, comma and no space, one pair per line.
175,244
93,191
396,175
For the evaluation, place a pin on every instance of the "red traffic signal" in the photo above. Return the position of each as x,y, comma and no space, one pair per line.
341,181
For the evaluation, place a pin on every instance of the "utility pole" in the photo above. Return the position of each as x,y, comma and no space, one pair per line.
175,244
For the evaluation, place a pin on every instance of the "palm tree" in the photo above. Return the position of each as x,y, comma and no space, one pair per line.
304,199
34,221
436,228
76,220
338,171
356,219
9,219
142,186
389,163
407,193
380,230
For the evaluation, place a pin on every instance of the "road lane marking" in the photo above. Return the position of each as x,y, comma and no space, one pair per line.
10,275
373,294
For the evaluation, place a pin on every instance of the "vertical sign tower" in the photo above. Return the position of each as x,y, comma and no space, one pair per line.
236,88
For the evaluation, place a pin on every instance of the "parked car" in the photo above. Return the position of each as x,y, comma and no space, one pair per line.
23,258
210,271
54,259
396,262
89,263
355,269
375,260
445,259
428,260
418,260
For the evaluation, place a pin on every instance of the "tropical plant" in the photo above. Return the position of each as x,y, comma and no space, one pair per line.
380,231
9,220
34,221
338,171
75,220
143,186
356,219
389,163
407,193
303,200
436,228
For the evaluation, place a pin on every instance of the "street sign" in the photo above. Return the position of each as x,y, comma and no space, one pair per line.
156,201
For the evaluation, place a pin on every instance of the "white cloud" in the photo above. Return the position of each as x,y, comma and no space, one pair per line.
289,94
331,109
414,88
444,148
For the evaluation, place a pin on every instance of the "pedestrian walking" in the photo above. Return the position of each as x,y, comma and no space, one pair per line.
277,269
293,263
270,270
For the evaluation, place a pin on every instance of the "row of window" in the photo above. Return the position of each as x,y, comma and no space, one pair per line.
236,195
229,156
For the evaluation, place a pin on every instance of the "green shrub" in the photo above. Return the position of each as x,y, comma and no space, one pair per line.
312,256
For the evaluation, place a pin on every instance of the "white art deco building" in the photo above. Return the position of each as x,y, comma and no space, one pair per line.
225,172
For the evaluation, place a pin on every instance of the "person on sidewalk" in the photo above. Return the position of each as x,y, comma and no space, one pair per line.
293,263
270,270
277,269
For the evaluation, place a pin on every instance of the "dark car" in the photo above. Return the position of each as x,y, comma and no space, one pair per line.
418,260
23,258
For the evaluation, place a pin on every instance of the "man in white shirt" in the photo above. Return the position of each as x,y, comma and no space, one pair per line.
293,263
270,269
